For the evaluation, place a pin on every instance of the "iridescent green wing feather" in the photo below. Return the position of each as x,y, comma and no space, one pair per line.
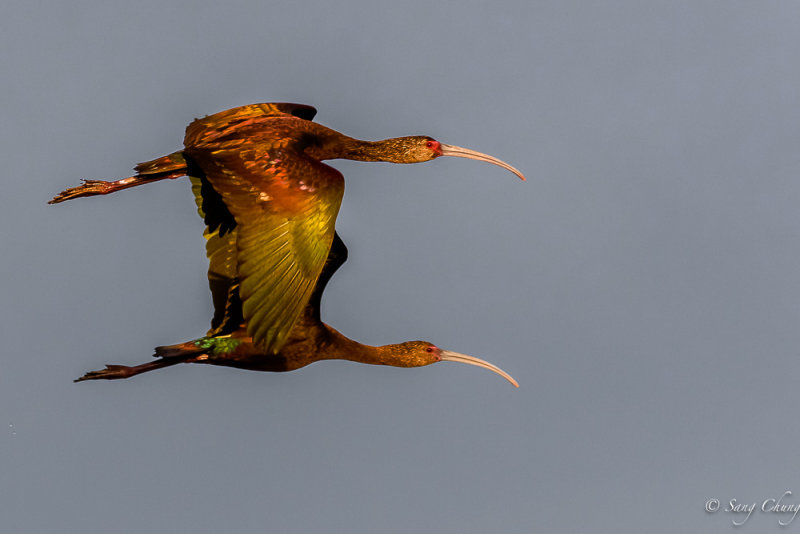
283,235
220,232
285,206
281,258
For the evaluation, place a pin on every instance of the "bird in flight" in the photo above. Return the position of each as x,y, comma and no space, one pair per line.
270,207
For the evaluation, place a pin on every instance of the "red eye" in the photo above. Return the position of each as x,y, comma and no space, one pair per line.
435,146
429,349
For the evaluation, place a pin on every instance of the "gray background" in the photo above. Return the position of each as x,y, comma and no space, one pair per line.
642,286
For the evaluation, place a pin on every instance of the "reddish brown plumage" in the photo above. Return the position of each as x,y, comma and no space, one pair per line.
270,206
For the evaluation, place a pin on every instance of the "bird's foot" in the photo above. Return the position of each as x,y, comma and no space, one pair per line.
111,372
87,189
114,372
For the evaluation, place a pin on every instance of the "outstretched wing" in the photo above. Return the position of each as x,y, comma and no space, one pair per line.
284,205
232,128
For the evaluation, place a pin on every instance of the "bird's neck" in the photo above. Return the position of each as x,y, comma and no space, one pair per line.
344,348
358,150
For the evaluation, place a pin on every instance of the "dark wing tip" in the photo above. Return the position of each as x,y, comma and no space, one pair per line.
300,111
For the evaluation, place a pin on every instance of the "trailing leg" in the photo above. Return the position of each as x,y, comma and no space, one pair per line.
114,372
170,166
188,352
90,188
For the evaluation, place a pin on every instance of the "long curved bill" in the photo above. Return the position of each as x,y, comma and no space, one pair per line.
449,356
459,152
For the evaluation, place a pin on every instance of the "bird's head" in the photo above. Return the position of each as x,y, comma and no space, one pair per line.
411,149
419,353
419,148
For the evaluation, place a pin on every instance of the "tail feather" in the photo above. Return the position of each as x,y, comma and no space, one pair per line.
185,350
170,163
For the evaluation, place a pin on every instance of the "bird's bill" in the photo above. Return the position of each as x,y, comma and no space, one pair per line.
459,152
448,356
